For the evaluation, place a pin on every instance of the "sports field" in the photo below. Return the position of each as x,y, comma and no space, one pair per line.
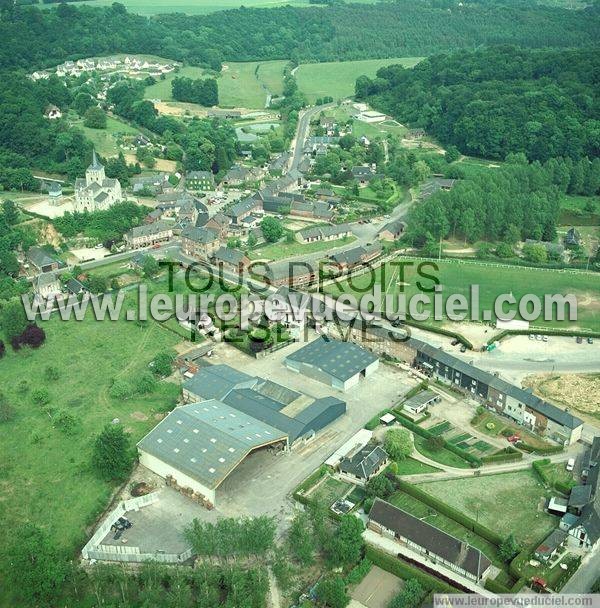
493,280
336,79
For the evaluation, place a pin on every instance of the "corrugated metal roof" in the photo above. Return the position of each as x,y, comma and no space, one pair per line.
207,440
342,360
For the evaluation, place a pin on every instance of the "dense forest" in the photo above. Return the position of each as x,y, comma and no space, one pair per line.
34,38
488,103
517,201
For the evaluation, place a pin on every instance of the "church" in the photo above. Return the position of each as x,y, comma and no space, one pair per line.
96,192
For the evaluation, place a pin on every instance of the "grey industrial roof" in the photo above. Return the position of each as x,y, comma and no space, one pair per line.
207,440
229,255
580,496
421,398
39,257
429,537
324,231
215,381
342,360
148,229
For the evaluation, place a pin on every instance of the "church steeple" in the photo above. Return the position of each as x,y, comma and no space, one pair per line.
95,172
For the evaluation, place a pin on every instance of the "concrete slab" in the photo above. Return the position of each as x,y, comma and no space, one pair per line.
377,589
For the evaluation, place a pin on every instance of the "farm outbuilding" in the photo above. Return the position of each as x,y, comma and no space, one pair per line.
333,362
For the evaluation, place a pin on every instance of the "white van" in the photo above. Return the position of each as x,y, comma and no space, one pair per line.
570,464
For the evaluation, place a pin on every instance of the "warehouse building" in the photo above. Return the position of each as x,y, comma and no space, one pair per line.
198,445
300,417
333,362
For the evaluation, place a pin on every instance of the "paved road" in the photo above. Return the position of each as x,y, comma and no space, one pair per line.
304,119
586,575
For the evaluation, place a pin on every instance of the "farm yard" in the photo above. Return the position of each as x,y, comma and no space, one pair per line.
336,79
505,502
456,278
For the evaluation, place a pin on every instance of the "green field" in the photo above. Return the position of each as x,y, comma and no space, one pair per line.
241,85
507,502
336,79
105,140
45,477
493,280
278,251
443,456
329,491
190,7
162,88
411,466
425,513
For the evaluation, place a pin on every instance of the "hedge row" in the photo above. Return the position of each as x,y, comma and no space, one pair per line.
548,332
359,571
374,422
495,587
551,449
436,329
506,455
311,480
451,512
405,571
538,467
415,428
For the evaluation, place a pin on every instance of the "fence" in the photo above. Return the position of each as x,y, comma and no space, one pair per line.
123,553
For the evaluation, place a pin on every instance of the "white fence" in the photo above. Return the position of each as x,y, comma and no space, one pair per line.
124,553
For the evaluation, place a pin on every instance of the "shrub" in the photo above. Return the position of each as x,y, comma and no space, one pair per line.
495,587
121,389
490,426
2,349
398,443
66,422
40,396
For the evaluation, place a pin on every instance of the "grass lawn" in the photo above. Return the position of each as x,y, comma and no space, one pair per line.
443,456
278,251
556,472
501,424
161,89
329,491
105,140
336,79
240,85
411,466
579,210
457,277
419,509
507,502
45,476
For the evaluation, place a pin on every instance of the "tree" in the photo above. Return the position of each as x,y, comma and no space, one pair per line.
96,284
301,539
13,320
271,229
411,596
535,252
398,443
452,154
508,548
10,212
33,336
111,457
347,541
37,571
252,240
504,250
145,383
150,266
379,486
332,592
434,443
95,118
161,364
2,349
121,389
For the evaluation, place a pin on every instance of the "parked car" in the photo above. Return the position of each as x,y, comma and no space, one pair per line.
579,339
463,349
570,464
532,336
455,342
545,338
590,340
538,337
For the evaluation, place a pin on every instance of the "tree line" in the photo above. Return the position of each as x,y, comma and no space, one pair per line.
517,201
498,100
203,91
41,38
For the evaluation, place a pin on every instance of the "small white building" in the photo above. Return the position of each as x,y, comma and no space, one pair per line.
372,116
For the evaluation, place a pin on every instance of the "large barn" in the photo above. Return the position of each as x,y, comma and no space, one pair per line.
338,364
229,415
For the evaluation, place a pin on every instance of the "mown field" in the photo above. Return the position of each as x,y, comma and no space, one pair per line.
493,280
507,502
243,84
278,251
336,79
45,477
162,88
